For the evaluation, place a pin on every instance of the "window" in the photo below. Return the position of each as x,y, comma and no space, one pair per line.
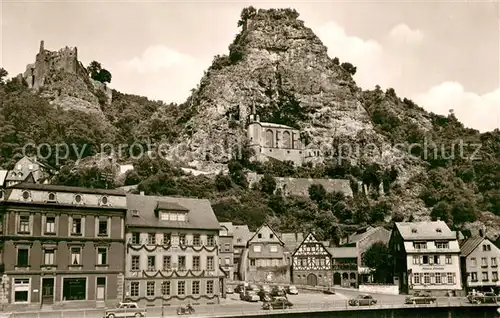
181,288
182,239
442,245
136,263
24,224
196,240
136,238
438,278
227,247
23,257
227,261
450,277
259,235
102,256
484,261
166,238
74,288
486,247
196,287
78,198
152,238
181,217
448,259
425,259
420,245
52,197
150,289
484,276
196,263
427,278
473,277
151,263
26,195
50,225
210,240
210,263
473,261
274,249
167,263
48,257
494,276
210,287
134,289
416,260
493,262
256,248
103,226
21,290
76,256
76,226
436,259
271,236
104,200
165,288
182,263
252,262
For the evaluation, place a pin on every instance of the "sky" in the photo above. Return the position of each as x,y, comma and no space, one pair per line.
443,55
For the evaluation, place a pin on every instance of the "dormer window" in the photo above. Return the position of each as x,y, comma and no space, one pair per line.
167,211
135,213
26,195
52,197
78,199
438,230
104,200
19,167
414,230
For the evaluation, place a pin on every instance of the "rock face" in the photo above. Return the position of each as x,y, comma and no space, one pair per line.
60,77
278,65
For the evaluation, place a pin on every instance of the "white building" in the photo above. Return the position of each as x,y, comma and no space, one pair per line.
426,257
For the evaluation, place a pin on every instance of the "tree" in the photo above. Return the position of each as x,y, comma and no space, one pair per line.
3,73
268,184
379,259
317,192
336,61
441,211
236,173
98,73
351,69
222,182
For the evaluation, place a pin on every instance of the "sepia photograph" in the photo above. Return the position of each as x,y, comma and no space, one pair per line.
218,159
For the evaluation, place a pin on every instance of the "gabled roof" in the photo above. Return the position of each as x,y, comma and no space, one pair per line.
468,245
62,188
262,226
3,175
315,239
241,232
171,206
200,213
425,230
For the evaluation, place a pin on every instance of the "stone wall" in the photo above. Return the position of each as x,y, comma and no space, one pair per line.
268,276
379,289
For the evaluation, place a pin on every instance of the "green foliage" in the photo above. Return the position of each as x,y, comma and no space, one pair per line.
89,177
3,74
237,175
442,211
317,192
98,73
267,184
246,13
351,69
222,182
379,259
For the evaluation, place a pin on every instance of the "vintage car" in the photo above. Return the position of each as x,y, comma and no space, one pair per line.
362,300
277,303
277,291
241,287
265,297
250,296
292,290
265,288
254,288
123,309
483,298
420,299
229,290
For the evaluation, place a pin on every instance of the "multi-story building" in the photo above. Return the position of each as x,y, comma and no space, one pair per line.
265,259
362,240
480,259
226,252
311,263
344,266
240,235
62,246
426,257
172,251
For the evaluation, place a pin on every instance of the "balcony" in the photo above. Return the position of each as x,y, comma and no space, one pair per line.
345,267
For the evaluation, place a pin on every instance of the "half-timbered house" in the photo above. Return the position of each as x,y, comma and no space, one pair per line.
311,263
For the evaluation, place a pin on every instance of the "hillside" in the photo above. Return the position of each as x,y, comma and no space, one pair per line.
280,68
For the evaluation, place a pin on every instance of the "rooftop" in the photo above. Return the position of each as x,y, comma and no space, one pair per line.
200,213
425,230
343,252
61,188
468,245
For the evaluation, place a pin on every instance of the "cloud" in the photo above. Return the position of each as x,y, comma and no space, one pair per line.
157,58
481,112
403,34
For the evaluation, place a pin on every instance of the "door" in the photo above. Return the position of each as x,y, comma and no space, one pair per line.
101,288
312,280
48,291
337,280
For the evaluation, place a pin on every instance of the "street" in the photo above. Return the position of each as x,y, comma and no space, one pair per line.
233,306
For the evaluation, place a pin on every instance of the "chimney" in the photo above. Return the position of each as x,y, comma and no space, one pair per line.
438,219
42,46
142,193
481,232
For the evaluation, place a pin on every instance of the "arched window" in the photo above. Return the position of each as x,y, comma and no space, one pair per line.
287,140
269,138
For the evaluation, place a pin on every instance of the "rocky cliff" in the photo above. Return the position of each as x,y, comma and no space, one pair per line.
60,77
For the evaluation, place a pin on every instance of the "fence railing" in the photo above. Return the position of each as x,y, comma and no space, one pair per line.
241,308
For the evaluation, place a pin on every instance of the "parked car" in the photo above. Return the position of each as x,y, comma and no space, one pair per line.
362,300
229,290
277,291
254,287
329,290
277,303
250,296
420,298
292,290
240,287
265,288
125,309
265,297
483,298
